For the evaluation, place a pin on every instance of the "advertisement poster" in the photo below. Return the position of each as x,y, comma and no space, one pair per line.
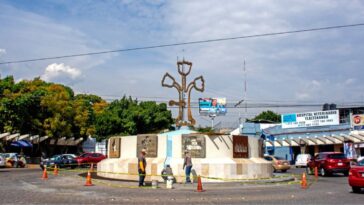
357,122
349,150
212,106
310,119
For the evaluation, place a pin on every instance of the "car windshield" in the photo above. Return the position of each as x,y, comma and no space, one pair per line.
361,163
84,155
336,156
54,157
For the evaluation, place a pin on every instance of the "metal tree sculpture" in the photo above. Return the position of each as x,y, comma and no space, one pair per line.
199,85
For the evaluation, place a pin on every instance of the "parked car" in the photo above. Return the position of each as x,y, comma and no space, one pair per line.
302,160
88,158
328,163
356,176
278,163
2,160
61,160
15,160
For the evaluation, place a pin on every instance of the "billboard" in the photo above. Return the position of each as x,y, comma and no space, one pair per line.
310,119
357,121
212,106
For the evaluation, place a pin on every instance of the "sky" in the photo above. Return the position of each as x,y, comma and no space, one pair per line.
315,67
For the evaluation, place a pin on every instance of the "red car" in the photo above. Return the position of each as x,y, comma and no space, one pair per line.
356,176
89,158
329,163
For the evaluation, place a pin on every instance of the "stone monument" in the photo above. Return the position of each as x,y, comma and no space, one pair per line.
215,157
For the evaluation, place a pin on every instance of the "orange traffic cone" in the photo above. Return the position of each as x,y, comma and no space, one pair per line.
316,173
88,179
55,171
199,185
45,174
303,181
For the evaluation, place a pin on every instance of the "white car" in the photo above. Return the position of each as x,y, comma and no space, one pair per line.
302,160
2,160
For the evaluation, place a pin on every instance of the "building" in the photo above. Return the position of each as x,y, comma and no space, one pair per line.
328,130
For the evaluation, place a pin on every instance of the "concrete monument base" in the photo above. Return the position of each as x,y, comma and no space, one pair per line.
212,157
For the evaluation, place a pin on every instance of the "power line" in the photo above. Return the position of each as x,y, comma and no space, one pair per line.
186,43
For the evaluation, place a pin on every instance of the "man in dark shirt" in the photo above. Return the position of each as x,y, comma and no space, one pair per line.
142,164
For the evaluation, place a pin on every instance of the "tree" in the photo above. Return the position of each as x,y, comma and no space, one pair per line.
268,115
128,117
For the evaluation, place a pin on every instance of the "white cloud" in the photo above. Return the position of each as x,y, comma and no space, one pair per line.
2,51
60,71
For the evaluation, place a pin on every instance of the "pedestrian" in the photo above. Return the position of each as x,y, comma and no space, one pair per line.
187,165
167,172
142,164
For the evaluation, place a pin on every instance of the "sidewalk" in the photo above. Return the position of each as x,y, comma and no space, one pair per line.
276,180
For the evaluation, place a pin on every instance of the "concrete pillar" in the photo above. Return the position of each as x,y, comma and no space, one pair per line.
316,149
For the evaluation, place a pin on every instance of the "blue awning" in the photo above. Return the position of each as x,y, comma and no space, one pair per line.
21,144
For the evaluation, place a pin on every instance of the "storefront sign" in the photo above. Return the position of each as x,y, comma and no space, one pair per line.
195,145
357,122
240,146
310,119
114,147
149,143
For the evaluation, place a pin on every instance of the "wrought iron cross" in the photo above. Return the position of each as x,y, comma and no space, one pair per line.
198,84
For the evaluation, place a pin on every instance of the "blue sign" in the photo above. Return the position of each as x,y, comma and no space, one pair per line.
289,118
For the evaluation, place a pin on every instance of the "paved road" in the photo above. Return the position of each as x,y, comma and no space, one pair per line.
24,186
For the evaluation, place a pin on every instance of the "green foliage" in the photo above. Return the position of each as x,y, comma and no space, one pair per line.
204,129
127,117
268,116
38,107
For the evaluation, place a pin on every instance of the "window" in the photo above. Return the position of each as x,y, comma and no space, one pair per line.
337,156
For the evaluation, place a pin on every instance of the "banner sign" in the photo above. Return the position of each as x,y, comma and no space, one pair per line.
349,150
357,122
212,106
310,119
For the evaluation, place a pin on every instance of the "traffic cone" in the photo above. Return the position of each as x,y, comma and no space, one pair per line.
303,181
199,185
88,179
316,173
55,171
45,174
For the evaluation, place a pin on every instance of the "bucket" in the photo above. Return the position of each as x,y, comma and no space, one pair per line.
169,184
154,184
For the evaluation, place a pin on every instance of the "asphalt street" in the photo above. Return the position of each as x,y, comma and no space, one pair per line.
25,186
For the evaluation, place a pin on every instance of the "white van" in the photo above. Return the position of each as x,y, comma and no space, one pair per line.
302,160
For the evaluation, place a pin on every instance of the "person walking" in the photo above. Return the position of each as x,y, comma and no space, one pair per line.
187,165
142,164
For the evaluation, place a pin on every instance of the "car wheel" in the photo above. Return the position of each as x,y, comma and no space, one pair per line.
284,170
346,173
356,189
323,172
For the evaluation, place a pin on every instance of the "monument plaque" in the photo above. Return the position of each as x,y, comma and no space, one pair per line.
114,147
240,146
149,143
195,144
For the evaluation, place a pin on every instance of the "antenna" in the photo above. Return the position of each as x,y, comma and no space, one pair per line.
245,91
